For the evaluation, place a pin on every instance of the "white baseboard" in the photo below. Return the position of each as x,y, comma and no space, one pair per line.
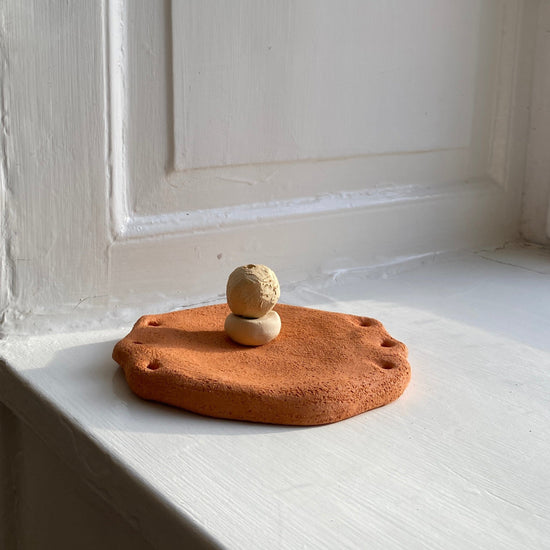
167,262
302,238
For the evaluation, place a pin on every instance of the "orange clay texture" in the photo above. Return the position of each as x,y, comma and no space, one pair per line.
323,367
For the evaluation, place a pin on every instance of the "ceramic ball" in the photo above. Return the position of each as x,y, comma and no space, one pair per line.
252,291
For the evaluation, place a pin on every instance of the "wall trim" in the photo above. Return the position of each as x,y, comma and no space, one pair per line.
211,220
117,114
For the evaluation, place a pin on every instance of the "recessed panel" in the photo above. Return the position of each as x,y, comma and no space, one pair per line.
261,81
244,102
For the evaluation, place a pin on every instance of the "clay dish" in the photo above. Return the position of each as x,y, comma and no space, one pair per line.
323,367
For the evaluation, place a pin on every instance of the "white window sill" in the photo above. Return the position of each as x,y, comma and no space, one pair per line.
459,461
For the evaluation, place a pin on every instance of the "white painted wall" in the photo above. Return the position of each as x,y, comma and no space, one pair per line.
149,147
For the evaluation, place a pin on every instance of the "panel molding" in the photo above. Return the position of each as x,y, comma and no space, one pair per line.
127,224
116,106
260,82
189,267
215,219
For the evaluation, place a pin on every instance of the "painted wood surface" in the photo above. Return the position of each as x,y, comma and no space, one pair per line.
54,154
212,63
458,462
535,223
149,147
250,87
262,82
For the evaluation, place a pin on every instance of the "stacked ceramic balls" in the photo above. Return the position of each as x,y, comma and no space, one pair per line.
252,292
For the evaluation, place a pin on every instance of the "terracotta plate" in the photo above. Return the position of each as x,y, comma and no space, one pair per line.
322,368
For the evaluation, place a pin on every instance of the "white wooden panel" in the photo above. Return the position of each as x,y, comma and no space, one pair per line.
271,80
295,212
234,103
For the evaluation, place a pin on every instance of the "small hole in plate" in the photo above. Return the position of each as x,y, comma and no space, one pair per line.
138,343
387,365
153,324
366,322
251,266
154,365
387,343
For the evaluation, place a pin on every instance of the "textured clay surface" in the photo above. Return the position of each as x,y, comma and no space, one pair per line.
252,290
322,368
253,332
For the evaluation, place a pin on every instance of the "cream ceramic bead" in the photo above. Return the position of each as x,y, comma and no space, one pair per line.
252,291
253,332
